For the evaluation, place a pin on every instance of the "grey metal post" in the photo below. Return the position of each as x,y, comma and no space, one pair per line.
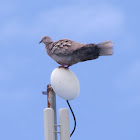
51,101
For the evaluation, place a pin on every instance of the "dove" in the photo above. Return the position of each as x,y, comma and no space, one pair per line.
67,52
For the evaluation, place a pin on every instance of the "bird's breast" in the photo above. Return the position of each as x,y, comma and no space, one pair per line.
63,60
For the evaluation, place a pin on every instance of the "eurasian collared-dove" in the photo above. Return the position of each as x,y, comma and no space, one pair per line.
67,52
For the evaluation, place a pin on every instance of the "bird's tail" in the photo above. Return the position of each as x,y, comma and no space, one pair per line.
105,48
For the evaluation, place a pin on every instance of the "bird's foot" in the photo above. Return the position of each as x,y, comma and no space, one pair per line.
64,66
67,66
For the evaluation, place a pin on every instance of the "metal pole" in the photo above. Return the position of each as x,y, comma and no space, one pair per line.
51,101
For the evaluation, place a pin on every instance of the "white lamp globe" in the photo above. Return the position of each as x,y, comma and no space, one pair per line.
65,83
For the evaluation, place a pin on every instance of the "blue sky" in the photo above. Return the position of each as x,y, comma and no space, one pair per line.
109,101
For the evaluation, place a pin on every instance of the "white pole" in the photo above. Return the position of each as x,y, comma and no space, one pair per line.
64,124
49,124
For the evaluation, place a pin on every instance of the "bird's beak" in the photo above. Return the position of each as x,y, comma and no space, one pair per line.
40,42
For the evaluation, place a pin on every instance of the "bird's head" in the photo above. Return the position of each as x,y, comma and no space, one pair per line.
46,40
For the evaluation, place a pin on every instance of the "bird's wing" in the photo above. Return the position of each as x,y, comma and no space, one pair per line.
87,52
65,47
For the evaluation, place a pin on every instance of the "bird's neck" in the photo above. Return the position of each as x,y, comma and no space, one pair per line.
49,48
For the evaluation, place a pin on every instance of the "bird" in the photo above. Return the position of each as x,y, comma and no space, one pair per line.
67,52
